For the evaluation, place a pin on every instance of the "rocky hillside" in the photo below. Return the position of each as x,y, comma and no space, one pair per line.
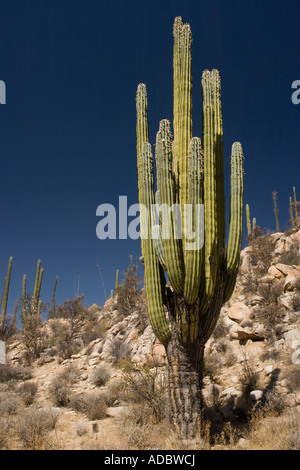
252,372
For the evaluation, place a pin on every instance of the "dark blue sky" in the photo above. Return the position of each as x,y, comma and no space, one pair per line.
68,143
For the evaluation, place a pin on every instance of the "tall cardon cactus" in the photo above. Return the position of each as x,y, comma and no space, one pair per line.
187,283
5,297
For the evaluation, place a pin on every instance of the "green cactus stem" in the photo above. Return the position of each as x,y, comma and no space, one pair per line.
24,305
5,296
249,229
117,281
292,213
189,175
295,203
53,309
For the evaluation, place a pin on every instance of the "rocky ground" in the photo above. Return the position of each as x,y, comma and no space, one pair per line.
252,367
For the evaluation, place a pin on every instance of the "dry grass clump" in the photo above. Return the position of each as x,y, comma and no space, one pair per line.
143,431
275,432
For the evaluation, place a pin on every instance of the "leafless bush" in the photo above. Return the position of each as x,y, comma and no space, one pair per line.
144,385
73,315
93,406
28,391
34,427
128,292
60,389
14,373
292,378
10,403
100,375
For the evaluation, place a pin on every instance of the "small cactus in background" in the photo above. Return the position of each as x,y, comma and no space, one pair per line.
24,304
249,229
291,213
189,173
53,310
32,306
295,203
5,296
117,281
276,211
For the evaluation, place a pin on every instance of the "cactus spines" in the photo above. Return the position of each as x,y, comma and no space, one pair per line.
5,296
189,173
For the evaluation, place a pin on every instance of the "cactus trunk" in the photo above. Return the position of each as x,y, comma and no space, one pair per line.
189,249
5,296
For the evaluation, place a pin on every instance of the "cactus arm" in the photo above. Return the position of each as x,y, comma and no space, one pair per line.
40,283
194,257
210,193
152,274
236,218
177,28
158,245
185,110
37,275
142,122
5,295
172,246
218,139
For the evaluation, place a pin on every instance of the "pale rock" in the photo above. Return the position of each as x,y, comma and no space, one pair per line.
291,336
256,300
283,268
256,395
292,281
273,271
239,333
238,312
268,370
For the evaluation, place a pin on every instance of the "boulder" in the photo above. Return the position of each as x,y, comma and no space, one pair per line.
240,333
238,312
292,281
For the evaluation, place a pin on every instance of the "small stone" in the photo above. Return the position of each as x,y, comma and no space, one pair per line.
256,395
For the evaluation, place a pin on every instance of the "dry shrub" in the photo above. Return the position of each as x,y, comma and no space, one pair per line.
93,406
10,403
4,433
34,428
60,389
292,378
100,375
14,373
145,384
28,391
142,429
275,432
